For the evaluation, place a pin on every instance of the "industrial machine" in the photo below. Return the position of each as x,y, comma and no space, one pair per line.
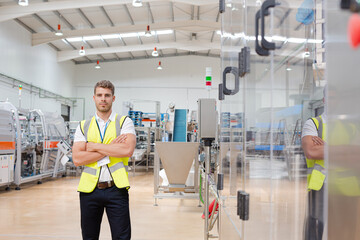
177,158
207,130
37,135
7,147
63,150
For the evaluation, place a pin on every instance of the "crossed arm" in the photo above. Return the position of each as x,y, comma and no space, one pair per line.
313,147
86,153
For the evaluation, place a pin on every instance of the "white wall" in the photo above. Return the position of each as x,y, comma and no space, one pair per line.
181,81
34,65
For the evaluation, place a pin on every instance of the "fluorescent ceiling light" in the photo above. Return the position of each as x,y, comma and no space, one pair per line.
296,40
315,41
273,38
75,39
162,32
126,35
279,38
110,36
114,36
252,38
90,38
239,35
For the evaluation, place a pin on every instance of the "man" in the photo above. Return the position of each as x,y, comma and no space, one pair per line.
313,143
103,145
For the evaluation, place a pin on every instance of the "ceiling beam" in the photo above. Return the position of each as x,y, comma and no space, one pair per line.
87,20
165,56
189,25
107,16
33,31
191,46
129,14
173,20
63,19
152,22
16,11
42,21
25,26
213,33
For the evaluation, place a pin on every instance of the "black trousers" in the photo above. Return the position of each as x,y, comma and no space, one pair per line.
314,223
116,203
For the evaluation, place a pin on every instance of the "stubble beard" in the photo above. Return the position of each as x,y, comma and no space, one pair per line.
104,110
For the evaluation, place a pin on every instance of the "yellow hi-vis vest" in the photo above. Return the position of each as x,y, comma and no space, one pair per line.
118,167
316,167
343,180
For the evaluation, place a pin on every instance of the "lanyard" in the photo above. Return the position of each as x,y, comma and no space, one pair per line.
101,135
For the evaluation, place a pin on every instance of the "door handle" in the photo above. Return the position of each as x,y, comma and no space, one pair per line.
258,49
235,72
221,6
265,12
221,92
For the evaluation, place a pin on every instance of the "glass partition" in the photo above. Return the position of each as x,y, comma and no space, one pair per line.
261,124
343,134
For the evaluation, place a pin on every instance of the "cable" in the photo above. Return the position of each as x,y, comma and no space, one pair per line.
200,190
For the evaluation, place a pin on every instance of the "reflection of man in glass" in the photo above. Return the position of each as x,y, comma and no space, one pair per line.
343,140
313,142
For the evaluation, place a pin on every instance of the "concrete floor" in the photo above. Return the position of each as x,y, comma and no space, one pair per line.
51,211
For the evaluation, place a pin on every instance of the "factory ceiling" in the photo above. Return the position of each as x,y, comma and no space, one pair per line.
114,30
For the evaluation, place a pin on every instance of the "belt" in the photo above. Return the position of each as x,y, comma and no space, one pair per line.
103,185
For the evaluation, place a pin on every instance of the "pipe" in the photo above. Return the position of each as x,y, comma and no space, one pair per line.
30,88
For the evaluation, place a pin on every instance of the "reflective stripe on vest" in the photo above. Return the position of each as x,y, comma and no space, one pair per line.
118,166
86,128
89,170
316,167
118,126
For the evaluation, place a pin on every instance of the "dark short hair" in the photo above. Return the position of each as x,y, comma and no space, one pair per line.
105,84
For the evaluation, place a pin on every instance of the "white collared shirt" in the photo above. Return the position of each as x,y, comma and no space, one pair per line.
128,127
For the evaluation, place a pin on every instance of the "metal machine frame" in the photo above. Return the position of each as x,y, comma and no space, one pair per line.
37,142
7,148
174,191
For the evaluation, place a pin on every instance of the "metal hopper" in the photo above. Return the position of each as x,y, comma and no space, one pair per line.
177,158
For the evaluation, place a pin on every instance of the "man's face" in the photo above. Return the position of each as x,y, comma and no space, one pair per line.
103,99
